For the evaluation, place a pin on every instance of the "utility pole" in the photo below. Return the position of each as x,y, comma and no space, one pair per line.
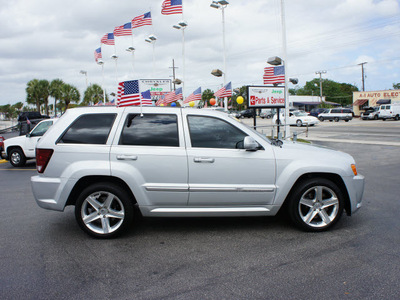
320,82
363,75
173,72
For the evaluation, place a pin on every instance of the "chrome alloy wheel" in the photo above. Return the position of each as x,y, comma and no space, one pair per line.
318,206
15,158
102,212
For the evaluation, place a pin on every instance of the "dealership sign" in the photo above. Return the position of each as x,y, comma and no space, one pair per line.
157,87
265,97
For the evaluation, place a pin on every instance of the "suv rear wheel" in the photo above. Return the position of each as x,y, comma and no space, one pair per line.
316,204
17,157
104,210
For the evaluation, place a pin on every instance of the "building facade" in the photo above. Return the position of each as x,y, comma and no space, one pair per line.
361,100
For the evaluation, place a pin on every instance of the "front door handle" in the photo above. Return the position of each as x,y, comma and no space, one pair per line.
203,160
126,157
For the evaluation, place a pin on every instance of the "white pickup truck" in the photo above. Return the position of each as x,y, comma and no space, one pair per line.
21,148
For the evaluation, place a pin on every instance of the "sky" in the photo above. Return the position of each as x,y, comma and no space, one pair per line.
49,39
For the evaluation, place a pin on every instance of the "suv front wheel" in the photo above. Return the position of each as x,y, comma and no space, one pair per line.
316,204
17,157
104,210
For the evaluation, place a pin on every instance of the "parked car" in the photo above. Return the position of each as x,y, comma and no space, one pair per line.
370,113
296,118
336,114
247,113
1,143
316,111
235,114
180,162
266,113
389,111
21,148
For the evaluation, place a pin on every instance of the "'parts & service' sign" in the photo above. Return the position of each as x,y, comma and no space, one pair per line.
265,97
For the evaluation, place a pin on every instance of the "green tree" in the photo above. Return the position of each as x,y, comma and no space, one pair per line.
56,92
44,91
69,94
340,93
396,86
33,93
94,93
206,96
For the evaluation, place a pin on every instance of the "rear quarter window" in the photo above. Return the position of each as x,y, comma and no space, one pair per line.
89,129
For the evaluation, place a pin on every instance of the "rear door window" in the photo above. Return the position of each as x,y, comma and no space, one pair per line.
150,130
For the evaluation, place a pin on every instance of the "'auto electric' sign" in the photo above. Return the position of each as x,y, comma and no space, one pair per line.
265,97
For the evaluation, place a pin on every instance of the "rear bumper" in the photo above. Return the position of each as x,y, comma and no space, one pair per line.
51,193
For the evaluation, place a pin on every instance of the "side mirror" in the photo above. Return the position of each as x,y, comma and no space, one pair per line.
250,144
28,135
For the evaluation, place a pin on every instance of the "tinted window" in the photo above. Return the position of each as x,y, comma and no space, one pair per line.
208,132
150,130
335,111
89,129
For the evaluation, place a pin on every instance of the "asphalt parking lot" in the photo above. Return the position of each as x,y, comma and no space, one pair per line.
44,254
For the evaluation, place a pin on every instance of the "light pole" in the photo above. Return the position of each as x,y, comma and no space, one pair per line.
83,72
182,26
132,50
222,4
101,63
320,82
152,40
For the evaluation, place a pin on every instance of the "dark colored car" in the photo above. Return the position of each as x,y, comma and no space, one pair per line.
248,113
316,111
1,143
29,119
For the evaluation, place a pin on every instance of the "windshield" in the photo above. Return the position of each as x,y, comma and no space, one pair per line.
299,114
41,128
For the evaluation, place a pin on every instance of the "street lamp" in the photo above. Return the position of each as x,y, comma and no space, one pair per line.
320,82
115,58
132,50
101,63
152,40
83,72
222,4
182,26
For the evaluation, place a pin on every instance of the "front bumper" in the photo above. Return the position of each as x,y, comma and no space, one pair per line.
355,189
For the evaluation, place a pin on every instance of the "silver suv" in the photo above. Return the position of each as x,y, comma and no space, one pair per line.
181,162
336,114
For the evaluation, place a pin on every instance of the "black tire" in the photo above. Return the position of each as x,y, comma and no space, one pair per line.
313,212
396,118
336,119
321,119
104,210
17,157
375,117
345,120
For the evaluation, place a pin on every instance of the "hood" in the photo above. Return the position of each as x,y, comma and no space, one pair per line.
15,140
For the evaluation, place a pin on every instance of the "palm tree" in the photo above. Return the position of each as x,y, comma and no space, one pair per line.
44,90
33,93
56,92
69,94
94,93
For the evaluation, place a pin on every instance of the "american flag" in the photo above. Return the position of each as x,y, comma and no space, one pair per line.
226,91
123,30
108,39
111,103
274,75
97,54
146,98
195,96
141,20
171,7
128,93
173,96
161,101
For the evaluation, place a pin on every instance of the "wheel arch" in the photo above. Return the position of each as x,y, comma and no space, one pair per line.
11,147
89,180
335,178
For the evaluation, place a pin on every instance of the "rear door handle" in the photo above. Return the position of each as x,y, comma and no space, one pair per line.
203,160
126,157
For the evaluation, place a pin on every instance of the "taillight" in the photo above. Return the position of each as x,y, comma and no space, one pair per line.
42,159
